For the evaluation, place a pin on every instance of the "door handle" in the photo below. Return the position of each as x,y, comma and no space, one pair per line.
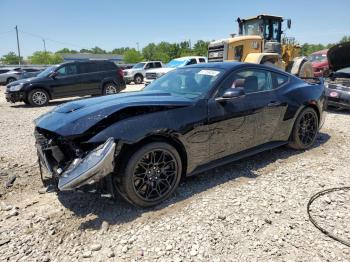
274,103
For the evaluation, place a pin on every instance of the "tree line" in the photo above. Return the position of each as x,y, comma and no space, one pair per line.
163,51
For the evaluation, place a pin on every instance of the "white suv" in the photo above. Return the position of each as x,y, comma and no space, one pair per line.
137,73
172,65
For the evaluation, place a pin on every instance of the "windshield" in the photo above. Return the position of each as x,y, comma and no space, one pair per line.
252,27
318,58
187,82
176,63
139,65
47,71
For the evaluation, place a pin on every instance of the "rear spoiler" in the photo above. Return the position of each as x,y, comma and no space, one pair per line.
313,80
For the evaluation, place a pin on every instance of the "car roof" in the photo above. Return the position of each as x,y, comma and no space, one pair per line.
219,65
235,65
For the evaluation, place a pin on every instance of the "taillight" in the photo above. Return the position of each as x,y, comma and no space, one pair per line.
120,72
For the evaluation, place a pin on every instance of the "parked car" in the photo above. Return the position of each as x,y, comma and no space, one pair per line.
338,84
137,73
173,64
67,80
30,72
319,63
8,75
192,119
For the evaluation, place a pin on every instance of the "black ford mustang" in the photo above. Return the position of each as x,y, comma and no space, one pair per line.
140,144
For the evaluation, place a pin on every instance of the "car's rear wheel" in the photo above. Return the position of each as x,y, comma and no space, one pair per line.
305,129
10,80
138,79
110,89
38,97
151,174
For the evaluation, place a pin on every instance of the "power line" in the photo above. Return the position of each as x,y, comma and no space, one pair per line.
6,32
49,39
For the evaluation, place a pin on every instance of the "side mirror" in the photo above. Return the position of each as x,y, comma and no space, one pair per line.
53,75
230,94
289,23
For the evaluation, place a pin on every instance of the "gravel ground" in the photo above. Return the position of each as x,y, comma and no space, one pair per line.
250,210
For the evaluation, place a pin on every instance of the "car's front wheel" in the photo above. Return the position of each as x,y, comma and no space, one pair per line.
10,80
138,79
305,129
151,174
38,97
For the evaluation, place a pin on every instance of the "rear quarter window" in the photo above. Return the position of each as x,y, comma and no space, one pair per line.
107,66
279,80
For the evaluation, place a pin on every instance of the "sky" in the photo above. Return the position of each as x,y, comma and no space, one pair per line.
110,24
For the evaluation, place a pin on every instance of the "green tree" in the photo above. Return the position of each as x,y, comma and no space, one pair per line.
41,57
66,51
98,50
132,56
201,48
345,39
10,59
120,51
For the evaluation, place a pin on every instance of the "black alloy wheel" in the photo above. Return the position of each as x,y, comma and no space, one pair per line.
151,175
305,129
155,175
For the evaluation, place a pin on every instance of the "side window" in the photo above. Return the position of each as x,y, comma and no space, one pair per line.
149,66
3,71
279,80
157,65
201,60
252,80
238,52
192,62
70,69
87,68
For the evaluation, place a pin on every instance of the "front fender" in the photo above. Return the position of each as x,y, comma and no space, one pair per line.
129,131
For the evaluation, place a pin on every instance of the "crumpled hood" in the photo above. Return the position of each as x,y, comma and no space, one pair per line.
76,117
339,56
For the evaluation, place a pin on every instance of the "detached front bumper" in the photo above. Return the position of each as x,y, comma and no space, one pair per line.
82,171
14,97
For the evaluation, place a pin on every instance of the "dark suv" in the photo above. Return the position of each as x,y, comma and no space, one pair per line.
66,80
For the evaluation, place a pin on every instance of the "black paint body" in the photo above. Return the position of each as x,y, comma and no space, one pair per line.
205,131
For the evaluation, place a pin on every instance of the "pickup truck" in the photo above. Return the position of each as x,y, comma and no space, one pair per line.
137,73
173,64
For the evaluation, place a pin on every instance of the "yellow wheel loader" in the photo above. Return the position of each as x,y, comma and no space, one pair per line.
260,41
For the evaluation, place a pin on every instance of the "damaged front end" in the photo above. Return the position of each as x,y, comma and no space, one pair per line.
70,166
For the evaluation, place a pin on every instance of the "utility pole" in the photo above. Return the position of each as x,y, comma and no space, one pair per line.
45,53
44,45
19,51
138,46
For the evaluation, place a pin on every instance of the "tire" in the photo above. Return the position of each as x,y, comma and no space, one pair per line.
10,80
306,70
305,130
38,97
143,178
138,79
110,88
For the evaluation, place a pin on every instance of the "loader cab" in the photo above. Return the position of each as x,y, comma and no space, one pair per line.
267,26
